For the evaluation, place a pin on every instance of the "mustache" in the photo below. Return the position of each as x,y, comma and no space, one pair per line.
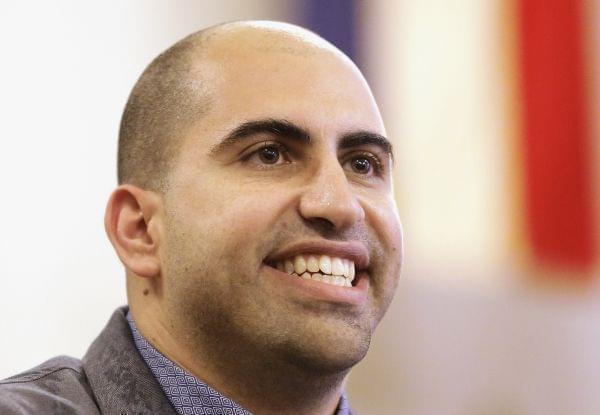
288,233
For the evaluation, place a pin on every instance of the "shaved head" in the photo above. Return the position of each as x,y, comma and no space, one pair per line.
174,92
165,100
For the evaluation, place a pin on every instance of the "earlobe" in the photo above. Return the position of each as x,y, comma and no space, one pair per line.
132,222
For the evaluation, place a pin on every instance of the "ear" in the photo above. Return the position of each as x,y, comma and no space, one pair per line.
132,222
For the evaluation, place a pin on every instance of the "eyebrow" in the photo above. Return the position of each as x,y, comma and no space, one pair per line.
287,129
361,138
277,127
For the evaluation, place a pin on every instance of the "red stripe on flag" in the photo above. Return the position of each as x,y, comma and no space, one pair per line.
556,140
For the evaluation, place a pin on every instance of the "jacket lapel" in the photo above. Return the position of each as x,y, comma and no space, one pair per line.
120,379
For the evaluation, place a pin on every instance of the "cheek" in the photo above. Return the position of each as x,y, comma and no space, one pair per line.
395,236
385,220
387,228
233,222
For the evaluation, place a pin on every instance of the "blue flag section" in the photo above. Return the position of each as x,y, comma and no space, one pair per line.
335,20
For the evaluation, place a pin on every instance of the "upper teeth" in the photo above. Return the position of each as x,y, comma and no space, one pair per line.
321,264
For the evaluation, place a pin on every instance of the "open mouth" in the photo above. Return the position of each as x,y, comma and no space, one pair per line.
326,269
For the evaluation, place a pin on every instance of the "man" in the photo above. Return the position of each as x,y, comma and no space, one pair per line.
256,222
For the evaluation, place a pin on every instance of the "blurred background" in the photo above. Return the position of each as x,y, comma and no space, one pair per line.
494,110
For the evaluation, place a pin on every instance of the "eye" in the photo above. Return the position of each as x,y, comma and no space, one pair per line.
268,154
361,165
364,164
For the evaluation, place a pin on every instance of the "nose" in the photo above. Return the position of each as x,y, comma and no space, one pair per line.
330,198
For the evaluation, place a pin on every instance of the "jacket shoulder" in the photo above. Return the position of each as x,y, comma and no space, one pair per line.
57,386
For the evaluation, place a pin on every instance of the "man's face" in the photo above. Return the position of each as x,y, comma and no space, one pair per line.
307,175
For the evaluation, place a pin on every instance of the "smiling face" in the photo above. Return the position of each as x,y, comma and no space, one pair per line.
281,234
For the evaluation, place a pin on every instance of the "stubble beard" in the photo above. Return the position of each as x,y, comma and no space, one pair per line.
222,313
317,339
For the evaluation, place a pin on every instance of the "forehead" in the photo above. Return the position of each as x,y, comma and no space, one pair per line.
312,86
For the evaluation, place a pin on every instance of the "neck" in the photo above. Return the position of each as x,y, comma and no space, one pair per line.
258,381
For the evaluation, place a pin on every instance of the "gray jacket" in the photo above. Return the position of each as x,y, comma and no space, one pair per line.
111,379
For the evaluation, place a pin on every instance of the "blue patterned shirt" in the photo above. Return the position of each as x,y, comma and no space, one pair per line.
187,393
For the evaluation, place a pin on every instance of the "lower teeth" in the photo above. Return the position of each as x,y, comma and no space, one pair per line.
328,279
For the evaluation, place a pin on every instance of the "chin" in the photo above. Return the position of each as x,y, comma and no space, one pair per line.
328,353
